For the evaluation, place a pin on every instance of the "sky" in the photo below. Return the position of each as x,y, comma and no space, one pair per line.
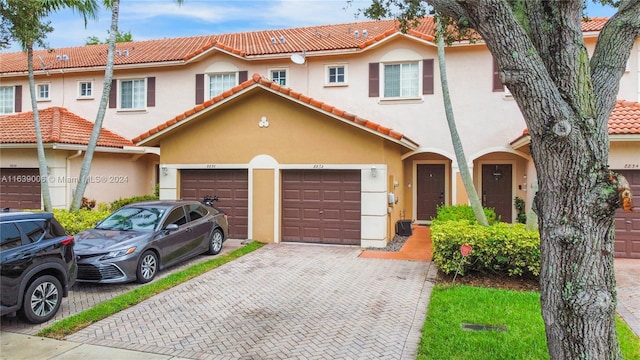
159,19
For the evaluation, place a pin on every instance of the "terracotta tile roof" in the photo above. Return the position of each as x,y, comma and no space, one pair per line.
594,24
58,125
258,80
624,120
322,38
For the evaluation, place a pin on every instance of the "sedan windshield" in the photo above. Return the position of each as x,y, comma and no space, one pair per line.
132,218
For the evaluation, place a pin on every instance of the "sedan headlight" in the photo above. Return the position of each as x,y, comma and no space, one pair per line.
118,253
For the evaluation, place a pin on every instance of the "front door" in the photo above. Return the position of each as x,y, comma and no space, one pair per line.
430,191
496,190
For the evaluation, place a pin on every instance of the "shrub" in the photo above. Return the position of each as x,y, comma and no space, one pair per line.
462,212
115,205
80,220
500,247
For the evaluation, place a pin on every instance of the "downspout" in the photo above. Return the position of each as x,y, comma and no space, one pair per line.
67,179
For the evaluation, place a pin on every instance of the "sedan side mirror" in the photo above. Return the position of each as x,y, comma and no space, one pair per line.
172,227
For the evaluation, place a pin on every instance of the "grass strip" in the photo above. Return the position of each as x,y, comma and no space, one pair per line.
79,321
451,306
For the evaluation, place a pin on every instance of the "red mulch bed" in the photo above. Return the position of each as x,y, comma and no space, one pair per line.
492,280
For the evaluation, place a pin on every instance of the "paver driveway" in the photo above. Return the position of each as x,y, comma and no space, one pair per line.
282,302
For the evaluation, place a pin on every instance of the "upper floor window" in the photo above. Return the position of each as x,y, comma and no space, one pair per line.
219,83
85,89
42,92
132,94
279,76
128,94
336,74
401,80
7,99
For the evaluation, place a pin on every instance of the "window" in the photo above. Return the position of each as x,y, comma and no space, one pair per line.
132,94
336,74
219,83
177,217
6,99
279,76
42,92
34,230
85,89
401,80
9,236
196,211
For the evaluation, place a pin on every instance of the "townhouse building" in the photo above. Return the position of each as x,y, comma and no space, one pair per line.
327,134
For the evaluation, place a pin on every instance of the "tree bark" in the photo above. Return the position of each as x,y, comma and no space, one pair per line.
42,160
97,126
474,199
566,100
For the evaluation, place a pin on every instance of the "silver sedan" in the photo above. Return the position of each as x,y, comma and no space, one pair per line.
139,239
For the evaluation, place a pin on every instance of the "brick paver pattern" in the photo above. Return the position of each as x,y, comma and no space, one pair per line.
286,301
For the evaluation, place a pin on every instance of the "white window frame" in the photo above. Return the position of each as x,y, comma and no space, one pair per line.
225,88
47,96
82,82
327,78
133,105
11,97
401,96
286,76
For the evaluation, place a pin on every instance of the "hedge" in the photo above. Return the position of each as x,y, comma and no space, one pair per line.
462,212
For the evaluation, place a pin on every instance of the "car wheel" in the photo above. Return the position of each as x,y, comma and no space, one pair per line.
41,300
147,267
215,242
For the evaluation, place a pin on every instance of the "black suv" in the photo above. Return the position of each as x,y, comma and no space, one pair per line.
38,265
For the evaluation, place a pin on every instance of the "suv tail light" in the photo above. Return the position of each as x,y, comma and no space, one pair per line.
67,241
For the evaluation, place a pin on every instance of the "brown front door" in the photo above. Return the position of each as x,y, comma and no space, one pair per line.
20,188
229,185
627,242
321,206
496,190
430,191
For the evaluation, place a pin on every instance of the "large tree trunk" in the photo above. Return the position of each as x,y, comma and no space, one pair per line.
97,126
42,160
566,102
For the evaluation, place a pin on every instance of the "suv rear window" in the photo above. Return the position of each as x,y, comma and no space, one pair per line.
33,229
9,236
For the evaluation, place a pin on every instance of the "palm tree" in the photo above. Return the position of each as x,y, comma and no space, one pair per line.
97,126
455,137
25,25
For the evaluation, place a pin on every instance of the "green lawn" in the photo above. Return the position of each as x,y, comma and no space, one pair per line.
452,306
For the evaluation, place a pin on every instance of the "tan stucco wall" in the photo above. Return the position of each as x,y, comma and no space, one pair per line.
263,205
112,175
297,138
624,155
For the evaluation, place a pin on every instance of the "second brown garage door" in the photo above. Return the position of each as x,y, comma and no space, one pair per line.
230,185
321,206
627,243
20,188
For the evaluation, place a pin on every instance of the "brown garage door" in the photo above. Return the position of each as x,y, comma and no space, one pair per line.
321,206
231,187
627,244
20,188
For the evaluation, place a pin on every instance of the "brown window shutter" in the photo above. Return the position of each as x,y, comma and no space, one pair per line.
199,88
243,76
151,91
427,77
17,98
113,94
497,83
374,79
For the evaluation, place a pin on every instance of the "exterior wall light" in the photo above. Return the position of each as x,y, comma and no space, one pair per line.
374,171
165,171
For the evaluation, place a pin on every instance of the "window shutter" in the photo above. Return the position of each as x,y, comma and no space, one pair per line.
243,76
427,77
199,88
374,79
17,98
113,94
151,91
497,83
